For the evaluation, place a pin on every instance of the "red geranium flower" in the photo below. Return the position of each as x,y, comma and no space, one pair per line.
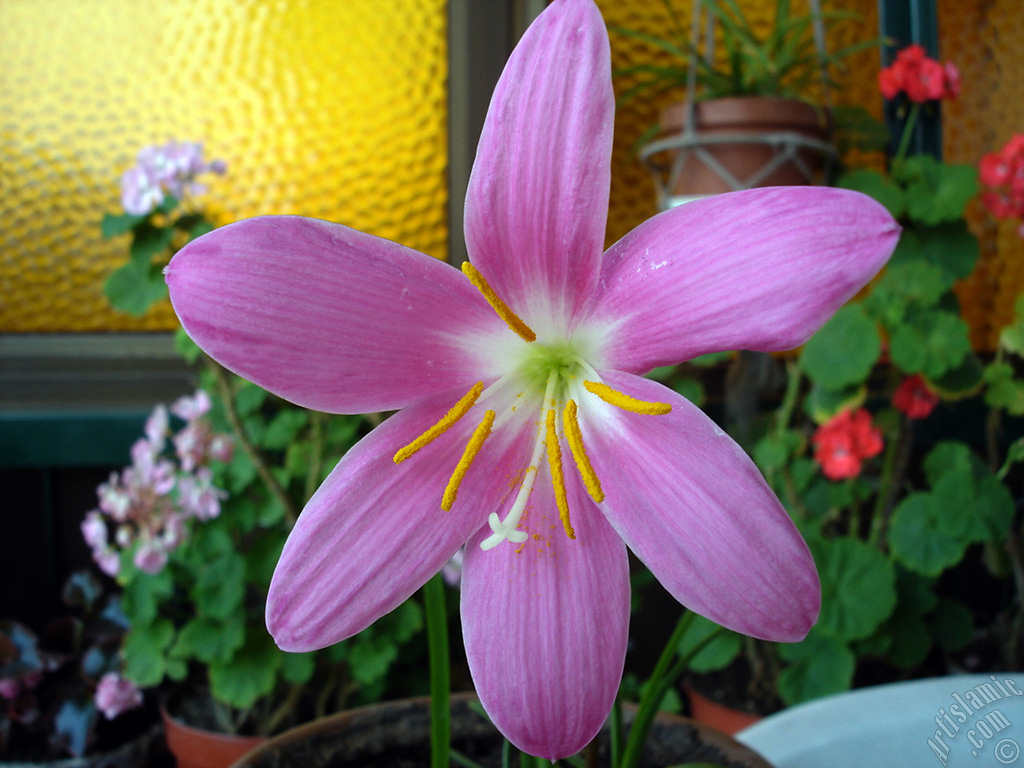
843,442
920,77
1003,173
913,398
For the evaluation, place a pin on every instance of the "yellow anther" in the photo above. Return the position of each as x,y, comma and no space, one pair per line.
625,402
554,452
456,412
575,439
511,318
476,442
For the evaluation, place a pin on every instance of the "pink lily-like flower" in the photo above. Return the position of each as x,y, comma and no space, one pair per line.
524,428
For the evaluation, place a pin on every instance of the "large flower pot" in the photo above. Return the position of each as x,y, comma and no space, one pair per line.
744,135
958,721
397,735
199,748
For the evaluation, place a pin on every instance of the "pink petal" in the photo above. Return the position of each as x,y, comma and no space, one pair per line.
325,316
693,507
545,625
538,195
375,532
761,269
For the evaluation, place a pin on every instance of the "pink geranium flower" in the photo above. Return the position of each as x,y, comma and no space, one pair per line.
524,428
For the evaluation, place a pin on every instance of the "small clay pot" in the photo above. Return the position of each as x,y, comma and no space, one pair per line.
199,748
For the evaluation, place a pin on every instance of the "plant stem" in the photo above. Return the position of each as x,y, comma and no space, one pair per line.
283,710
437,644
616,732
224,387
657,686
789,400
316,457
908,130
893,468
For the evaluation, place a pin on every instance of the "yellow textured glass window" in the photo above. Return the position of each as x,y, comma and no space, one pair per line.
322,108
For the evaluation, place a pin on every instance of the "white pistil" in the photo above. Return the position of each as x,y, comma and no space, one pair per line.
508,528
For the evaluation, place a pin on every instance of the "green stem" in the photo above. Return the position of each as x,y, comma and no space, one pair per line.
316,459
231,412
437,643
616,732
657,686
888,484
789,400
908,130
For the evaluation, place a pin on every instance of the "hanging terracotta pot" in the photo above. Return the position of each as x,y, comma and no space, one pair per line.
397,735
199,748
740,142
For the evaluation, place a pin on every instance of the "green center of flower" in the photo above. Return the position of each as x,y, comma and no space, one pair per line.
559,372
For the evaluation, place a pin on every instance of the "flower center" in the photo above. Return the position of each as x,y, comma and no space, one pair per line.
560,371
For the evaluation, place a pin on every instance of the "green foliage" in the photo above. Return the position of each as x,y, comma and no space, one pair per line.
858,587
843,352
718,653
781,62
819,665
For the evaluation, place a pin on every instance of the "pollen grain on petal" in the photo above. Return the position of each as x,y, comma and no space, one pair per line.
455,413
625,402
574,437
504,311
473,447
554,452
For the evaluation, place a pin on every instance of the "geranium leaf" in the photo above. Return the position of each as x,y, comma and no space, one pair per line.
220,586
843,352
875,185
917,539
858,587
145,652
718,653
822,665
250,674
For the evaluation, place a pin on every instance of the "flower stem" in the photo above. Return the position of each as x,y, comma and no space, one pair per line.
658,685
437,645
224,387
785,412
908,130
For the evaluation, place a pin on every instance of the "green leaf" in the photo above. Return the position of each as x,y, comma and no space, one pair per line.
952,624
250,674
917,539
209,640
875,185
916,593
370,658
858,587
822,665
774,451
822,404
284,428
249,398
143,594
950,247
711,359
1012,337
931,342
149,241
1004,391
936,192
114,225
910,640
963,381
220,586
718,653
298,668
843,352
185,347
144,652
691,389
949,457
133,289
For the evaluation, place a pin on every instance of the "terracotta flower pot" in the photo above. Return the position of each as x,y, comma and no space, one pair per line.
719,716
721,127
198,748
397,735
